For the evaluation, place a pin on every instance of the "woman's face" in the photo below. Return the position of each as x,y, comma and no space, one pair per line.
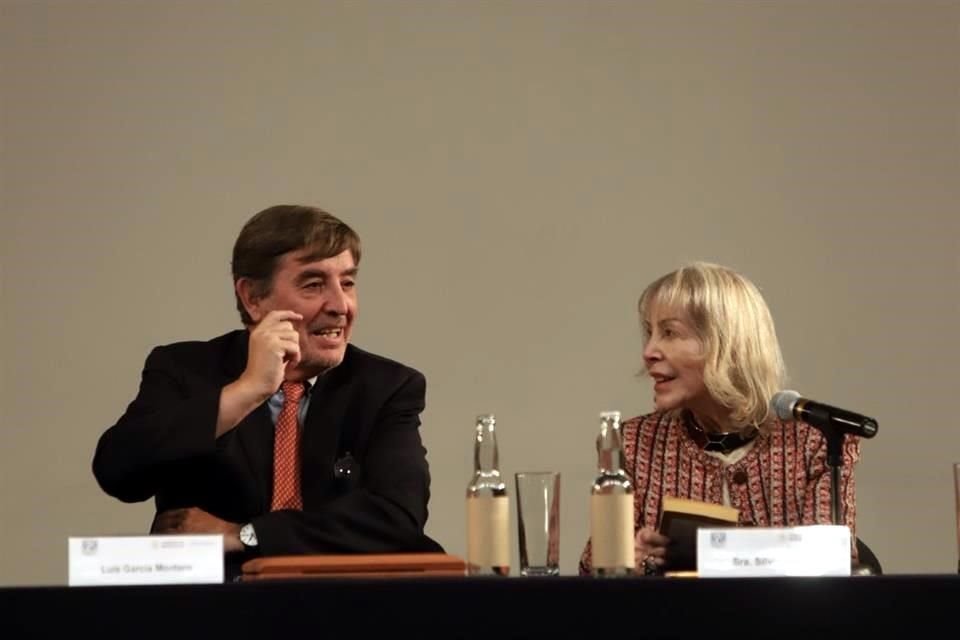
674,357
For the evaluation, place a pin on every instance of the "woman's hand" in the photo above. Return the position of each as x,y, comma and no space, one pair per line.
651,550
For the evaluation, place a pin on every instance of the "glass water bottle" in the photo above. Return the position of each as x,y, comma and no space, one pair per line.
611,504
488,512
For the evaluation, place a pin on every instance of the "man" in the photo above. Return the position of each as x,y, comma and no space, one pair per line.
282,436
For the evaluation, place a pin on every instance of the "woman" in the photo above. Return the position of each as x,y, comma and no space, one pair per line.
711,349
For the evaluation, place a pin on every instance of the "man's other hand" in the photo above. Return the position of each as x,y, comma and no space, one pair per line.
194,520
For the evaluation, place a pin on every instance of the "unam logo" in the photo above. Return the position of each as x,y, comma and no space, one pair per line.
88,547
718,538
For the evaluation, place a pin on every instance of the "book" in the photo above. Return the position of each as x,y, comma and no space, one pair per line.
679,520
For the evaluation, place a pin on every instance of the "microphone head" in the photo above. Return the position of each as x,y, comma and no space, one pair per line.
783,403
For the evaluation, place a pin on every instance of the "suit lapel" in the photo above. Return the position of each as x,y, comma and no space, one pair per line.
330,402
255,439
254,434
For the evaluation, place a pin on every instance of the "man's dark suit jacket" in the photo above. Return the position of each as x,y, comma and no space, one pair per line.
366,409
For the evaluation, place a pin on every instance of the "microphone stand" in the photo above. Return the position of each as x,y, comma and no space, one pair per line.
835,462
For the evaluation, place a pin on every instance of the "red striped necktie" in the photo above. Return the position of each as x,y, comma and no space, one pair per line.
286,456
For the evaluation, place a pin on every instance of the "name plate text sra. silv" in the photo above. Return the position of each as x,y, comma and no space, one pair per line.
815,550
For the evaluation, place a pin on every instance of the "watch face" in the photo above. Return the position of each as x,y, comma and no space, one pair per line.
248,536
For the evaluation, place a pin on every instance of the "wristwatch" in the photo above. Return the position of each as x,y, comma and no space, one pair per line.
248,536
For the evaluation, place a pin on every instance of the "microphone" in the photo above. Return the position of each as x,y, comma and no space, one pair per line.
788,405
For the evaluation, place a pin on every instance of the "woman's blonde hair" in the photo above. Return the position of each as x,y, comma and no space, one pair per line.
743,364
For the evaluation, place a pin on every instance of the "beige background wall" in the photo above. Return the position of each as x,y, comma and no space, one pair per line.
518,172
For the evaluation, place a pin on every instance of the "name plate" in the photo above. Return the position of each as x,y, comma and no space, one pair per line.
815,550
139,560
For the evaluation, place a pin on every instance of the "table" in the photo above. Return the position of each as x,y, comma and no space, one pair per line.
490,607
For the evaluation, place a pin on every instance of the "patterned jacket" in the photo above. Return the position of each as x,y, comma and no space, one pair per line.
780,479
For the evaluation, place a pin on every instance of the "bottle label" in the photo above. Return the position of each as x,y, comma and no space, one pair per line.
488,531
611,531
